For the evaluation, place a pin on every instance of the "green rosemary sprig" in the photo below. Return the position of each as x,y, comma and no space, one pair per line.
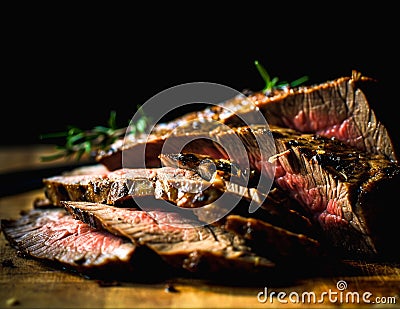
79,142
271,84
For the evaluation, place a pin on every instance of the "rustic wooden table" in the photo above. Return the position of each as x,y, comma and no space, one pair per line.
27,283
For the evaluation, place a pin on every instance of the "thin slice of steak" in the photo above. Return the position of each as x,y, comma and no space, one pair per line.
182,187
85,170
194,248
56,237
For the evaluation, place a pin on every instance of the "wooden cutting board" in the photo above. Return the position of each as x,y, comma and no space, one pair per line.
27,283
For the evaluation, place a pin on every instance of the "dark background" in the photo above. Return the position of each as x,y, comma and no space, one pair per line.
73,67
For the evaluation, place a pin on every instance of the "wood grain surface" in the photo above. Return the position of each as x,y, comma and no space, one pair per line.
28,283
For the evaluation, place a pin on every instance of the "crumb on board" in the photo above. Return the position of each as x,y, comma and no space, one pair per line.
169,288
12,301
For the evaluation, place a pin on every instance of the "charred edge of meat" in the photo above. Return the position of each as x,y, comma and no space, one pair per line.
207,167
213,264
276,243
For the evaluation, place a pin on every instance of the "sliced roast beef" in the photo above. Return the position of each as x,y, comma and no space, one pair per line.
337,108
86,170
276,206
238,145
348,192
55,236
182,187
194,248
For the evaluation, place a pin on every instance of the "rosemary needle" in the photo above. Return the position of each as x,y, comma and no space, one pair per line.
271,84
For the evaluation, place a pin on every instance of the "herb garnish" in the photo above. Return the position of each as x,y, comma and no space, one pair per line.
271,84
80,142
89,142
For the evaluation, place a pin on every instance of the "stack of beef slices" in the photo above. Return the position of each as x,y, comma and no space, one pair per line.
332,191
